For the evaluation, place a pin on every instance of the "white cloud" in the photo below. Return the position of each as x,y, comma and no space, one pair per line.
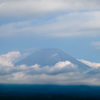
73,18
6,59
24,8
63,73
61,67
91,64
33,74
69,25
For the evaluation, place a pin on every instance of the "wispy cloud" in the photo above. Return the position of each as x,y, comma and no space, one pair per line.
96,44
72,18
91,64
74,24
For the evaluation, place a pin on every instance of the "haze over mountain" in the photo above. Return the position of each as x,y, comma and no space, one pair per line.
50,57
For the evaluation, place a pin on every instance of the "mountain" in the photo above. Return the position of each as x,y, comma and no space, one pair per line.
50,57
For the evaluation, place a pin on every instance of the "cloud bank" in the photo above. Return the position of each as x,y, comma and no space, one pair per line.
63,73
50,18
26,8
73,24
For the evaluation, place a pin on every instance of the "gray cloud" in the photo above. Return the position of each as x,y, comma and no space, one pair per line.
79,18
61,67
68,25
94,71
63,73
23,8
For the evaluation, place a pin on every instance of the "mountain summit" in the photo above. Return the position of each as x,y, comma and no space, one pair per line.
50,57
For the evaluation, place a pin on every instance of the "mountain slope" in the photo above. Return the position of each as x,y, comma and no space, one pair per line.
50,57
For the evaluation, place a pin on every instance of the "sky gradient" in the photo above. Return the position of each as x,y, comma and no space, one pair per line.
72,26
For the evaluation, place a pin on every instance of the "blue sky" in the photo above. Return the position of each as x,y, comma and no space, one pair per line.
70,25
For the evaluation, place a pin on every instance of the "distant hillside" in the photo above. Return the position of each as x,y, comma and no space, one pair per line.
49,92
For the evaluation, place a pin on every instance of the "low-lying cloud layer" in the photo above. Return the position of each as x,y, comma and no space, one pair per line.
63,73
